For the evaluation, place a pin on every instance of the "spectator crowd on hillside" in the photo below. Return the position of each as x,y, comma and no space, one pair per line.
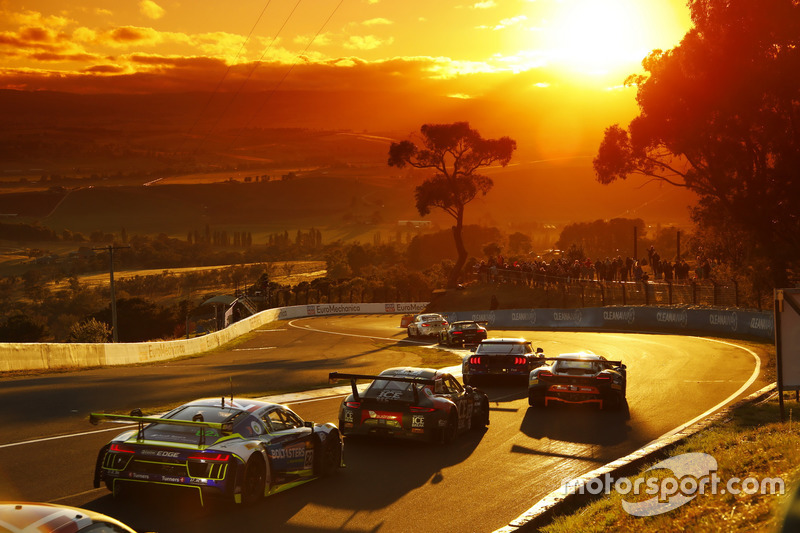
653,267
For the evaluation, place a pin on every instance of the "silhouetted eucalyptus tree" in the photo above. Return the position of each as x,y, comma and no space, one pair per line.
455,151
720,115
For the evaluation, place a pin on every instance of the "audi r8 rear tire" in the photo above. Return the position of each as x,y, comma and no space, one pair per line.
328,456
255,480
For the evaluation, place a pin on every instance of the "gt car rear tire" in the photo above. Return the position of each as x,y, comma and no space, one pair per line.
450,430
480,417
534,400
255,480
328,456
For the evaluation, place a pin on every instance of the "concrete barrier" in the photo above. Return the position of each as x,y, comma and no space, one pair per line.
51,356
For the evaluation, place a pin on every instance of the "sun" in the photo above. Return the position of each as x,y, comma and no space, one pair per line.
600,37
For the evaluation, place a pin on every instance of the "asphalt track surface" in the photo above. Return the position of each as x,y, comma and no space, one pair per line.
479,483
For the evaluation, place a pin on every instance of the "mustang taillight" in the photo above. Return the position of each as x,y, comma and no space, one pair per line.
474,360
519,361
353,405
417,409
119,448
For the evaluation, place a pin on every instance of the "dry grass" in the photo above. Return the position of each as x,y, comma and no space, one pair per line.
752,444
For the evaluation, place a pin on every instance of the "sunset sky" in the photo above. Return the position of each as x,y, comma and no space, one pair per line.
155,45
549,73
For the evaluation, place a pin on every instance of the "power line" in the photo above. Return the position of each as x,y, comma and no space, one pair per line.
297,58
224,76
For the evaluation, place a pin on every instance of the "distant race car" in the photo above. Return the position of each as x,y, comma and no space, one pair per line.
579,378
463,332
236,448
405,320
501,358
24,517
413,403
427,325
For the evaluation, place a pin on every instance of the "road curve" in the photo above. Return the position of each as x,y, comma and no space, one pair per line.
478,484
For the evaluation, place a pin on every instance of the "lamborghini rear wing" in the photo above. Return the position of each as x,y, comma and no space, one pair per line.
353,377
224,428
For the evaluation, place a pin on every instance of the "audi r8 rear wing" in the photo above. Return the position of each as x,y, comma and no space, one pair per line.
353,377
225,428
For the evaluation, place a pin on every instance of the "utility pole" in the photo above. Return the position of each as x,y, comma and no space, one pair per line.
114,329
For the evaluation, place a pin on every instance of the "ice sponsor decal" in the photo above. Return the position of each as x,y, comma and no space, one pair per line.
527,317
726,320
627,315
673,318
568,316
348,416
418,421
389,395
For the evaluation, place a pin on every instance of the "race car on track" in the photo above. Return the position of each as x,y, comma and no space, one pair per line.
579,378
236,448
27,517
412,403
427,325
463,332
501,358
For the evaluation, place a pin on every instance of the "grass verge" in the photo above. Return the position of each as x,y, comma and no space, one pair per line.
751,443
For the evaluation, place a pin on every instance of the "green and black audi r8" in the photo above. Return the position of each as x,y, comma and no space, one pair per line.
237,448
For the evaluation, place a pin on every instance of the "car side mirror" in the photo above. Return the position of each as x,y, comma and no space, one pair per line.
473,349
308,424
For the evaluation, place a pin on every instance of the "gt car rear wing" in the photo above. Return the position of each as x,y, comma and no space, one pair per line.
582,360
225,428
353,377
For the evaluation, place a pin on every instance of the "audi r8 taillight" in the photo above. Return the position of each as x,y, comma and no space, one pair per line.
208,465
118,457
545,374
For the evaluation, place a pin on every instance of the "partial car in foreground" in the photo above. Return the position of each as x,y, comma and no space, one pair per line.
509,358
238,449
579,378
463,332
412,403
28,517
427,325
